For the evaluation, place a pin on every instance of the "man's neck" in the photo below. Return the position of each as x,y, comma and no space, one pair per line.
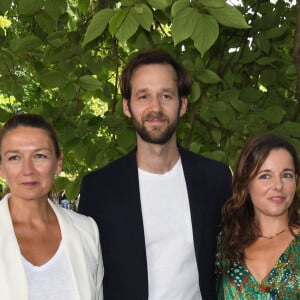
155,158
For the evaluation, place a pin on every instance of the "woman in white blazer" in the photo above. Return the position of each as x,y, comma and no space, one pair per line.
46,252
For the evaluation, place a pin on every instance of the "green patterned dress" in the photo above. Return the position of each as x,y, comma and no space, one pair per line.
235,282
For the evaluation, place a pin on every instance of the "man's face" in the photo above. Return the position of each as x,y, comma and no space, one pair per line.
154,105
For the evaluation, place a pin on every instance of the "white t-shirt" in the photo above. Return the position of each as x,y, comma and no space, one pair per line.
52,280
171,261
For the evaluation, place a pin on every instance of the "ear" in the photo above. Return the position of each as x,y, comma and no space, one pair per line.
126,109
59,164
183,108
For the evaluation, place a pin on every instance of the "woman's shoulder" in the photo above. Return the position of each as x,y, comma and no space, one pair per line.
79,220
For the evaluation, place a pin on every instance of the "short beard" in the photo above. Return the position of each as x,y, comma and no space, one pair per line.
147,136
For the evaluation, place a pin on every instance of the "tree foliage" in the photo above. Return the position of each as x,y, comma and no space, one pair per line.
63,58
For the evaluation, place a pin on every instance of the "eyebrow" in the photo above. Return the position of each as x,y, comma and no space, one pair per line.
18,151
170,90
269,171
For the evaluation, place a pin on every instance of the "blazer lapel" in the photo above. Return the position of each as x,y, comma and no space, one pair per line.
195,188
13,282
74,252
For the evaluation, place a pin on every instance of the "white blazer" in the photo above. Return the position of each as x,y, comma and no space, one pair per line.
82,248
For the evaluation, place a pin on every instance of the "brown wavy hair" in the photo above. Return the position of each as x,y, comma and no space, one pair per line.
239,227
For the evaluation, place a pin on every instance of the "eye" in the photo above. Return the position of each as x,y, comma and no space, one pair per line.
288,175
40,155
13,157
143,97
264,176
165,97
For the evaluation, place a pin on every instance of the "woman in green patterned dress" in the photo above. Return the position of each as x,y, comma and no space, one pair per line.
259,246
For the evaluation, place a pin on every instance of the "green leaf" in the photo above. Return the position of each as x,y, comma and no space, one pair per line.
97,25
60,183
4,115
228,95
69,91
184,24
143,15
209,77
250,94
20,45
179,6
229,16
57,39
266,60
117,20
160,4
268,77
128,2
273,114
53,79
29,7
289,128
128,28
217,135
55,8
206,33
239,106
73,189
195,93
263,44
83,6
223,112
275,32
212,3
6,64
195,147
250,56
45,22
291,72
89,83
5,5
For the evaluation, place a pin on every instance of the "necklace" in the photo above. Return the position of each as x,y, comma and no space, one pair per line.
271,236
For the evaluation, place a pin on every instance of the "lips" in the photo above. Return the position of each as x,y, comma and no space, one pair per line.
29,183
277,198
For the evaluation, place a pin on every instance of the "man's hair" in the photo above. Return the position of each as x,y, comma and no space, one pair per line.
154,56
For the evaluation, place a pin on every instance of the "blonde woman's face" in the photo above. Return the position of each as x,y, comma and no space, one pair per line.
28,162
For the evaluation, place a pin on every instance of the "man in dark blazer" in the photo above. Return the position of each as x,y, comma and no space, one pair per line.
158,208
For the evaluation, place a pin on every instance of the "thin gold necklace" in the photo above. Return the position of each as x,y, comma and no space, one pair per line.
271,236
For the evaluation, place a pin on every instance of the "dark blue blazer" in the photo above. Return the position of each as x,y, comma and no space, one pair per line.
111,196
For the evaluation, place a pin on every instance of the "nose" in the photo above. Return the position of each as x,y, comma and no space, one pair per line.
155,104
27,166
277,183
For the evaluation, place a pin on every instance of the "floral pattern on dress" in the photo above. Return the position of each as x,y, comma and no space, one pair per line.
235,282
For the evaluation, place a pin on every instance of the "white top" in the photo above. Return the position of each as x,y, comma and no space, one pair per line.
171,261
52,280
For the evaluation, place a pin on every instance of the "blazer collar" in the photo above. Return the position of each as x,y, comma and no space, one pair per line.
74,252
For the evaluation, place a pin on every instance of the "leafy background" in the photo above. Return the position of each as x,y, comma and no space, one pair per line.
63,59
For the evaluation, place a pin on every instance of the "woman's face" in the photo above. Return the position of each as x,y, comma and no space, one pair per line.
273,188
28,162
